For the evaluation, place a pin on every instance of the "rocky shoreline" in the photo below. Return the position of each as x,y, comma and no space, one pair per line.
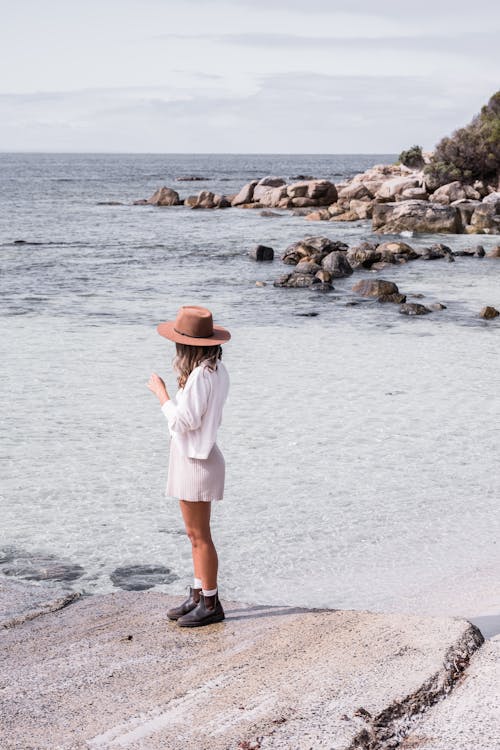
396,199
318,261
109,671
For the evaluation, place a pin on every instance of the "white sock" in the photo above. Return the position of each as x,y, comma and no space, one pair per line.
197,583
209,592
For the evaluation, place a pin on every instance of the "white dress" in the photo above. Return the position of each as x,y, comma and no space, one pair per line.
196,467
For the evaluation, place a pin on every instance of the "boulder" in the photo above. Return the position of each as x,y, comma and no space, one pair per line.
165,196
323,192
413,308
324,276
395,297
478,251
297,189
363,209
345,216
415,216
320,215
485,219
296,280
337,265
414,193
261,252
312,248
454,191
207,199
489,312
363,255
271,181
269,196
355,191
466,209
389,189
493,199
494,252
302,202
437,306
438,250
307,266
392,251
375,287
245,195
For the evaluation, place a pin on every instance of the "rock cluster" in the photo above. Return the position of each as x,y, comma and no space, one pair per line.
396,199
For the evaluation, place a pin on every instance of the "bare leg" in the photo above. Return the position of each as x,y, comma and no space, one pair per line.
196,517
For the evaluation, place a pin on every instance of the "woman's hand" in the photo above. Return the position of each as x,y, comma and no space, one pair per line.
157,386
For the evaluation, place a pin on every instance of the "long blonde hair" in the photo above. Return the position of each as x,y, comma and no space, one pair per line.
189,356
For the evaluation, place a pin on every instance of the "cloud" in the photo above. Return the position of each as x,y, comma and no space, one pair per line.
291,112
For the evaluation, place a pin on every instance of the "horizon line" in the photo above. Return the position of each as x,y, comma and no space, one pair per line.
201,153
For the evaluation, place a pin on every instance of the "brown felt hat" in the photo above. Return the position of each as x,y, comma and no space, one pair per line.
194,325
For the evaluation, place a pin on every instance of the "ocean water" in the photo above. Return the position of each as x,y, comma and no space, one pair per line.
360,444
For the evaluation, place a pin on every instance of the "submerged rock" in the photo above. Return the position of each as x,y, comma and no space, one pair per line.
141,577
38,566
414,308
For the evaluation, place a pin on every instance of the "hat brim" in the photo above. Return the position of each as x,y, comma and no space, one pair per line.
167,330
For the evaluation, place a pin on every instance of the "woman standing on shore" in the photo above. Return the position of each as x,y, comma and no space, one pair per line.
196,468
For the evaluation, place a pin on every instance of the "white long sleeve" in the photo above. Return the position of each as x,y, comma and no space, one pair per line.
195,415
188,414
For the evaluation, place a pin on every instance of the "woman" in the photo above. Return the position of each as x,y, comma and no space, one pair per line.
196,468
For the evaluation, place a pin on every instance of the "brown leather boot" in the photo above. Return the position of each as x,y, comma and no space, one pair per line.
187,605
202,614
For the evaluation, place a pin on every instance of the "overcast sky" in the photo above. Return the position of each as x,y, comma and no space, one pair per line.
264,76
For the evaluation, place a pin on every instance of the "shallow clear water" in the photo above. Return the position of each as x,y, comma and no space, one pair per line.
360,444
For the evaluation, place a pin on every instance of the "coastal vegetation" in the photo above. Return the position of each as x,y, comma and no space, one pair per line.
471,153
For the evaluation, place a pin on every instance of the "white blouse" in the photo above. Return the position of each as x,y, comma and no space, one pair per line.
195,413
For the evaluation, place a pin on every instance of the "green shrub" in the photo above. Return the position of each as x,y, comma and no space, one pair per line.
471,153
412,158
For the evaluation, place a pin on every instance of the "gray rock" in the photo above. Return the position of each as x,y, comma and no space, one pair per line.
307,266
337,265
